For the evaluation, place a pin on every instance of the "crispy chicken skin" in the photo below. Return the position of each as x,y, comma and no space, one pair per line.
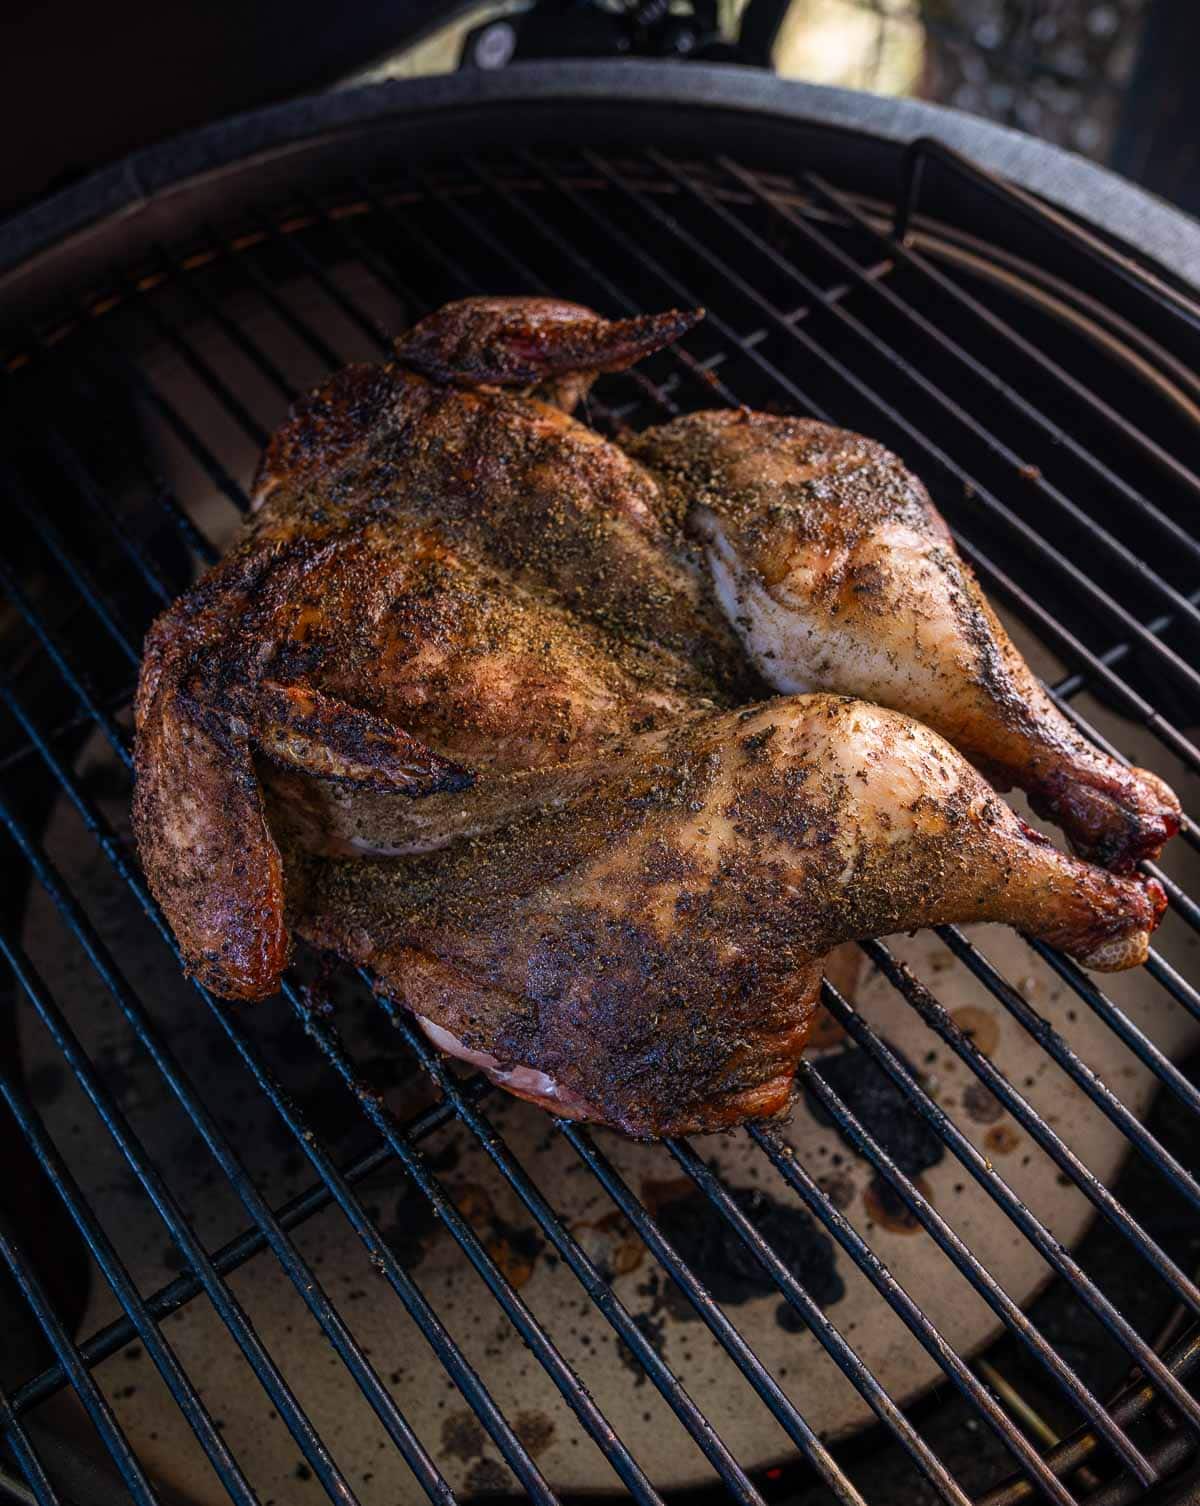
650,951
462,704
439,588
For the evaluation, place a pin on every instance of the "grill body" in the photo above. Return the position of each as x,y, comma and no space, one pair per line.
1039,376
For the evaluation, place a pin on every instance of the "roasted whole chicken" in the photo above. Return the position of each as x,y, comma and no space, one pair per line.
593,750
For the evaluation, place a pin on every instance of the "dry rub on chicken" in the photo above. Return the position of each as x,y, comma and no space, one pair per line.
483,700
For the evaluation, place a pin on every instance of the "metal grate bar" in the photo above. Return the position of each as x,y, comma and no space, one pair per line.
1130,1405
146,568
197,446
234,1253
384,1261
68,460
1002,1194
381,269
382,1258
1121,1025
576,260
966,1262
199,452
827,1334
688,367
913,1316
300,253
906,254
192,442
223,1300
15,1435
99,714
149,312
1057,1049
668,1384
302,1277
79,576
1174,983
23,751
978,369
254,275
679,289
938,1020
1039,213
194,540
195,292
90,1395
1016,525
702,1301
705,367
545,1351
479,231
199,1418
408,231
219,388
788,1165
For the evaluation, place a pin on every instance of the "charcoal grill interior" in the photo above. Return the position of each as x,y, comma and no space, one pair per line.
1042,384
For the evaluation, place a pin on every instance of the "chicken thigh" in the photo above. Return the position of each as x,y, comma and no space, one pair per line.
649,953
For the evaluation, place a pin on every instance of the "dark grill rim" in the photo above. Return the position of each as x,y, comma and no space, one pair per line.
1163,236
462,1102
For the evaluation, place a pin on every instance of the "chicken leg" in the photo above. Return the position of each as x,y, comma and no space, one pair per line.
649,953
838,572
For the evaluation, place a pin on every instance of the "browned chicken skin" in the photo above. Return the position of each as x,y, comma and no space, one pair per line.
461,620
840,574
651,950
429,568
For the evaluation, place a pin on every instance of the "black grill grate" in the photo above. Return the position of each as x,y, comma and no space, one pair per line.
1073,511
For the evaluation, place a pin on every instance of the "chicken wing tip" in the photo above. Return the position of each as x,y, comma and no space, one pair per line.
518,342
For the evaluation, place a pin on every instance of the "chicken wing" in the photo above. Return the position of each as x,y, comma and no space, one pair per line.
440,590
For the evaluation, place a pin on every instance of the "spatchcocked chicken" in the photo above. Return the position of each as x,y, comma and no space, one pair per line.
572,741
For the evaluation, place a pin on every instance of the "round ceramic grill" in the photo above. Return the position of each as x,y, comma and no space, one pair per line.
276,1252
